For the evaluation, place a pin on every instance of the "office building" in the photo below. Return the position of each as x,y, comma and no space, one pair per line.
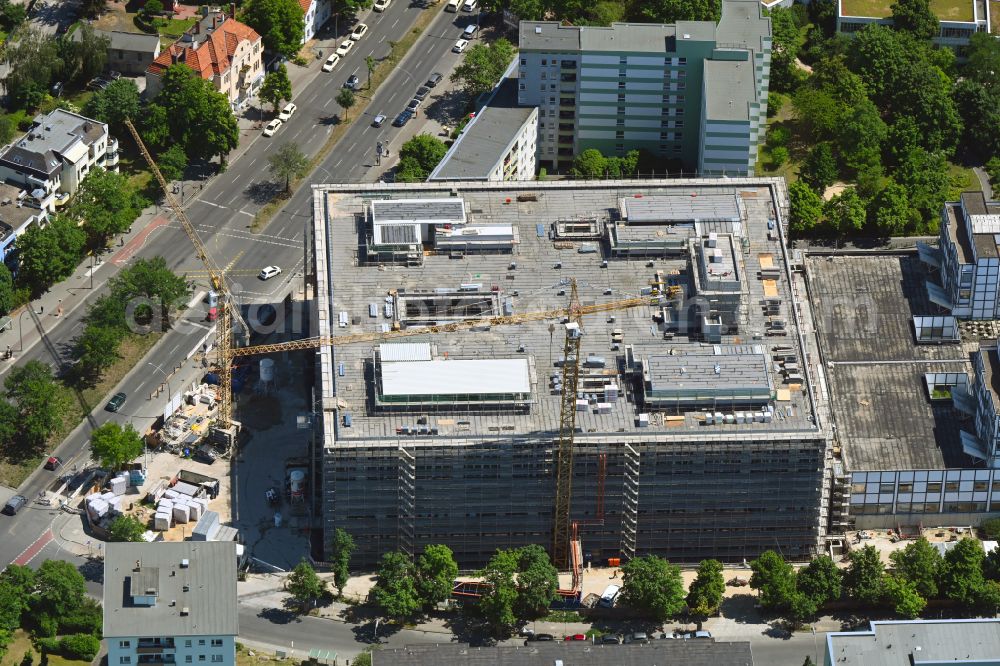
698,434
170,602
923,642
958,19
694,92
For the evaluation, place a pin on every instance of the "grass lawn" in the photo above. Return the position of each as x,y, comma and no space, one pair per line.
962,179
946,10
994,17
21,643
173,29
798,146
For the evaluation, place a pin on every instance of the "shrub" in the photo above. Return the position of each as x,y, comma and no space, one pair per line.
543,173
45,625
80,646
778,136
779,156
48,644
991,528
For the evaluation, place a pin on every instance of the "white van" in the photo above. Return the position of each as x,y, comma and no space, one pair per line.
452,6
609,596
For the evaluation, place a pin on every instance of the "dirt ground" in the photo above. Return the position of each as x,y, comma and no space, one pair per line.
888,541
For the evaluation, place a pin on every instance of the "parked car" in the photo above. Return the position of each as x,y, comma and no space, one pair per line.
610,640
381,5
470,5
286,113
272,127
422,93
576,637
700,634
434,79
352,82
345,47
459,46
413,105
116,402
359,31
638,637
403,118
269,272
541,638
470,31
14,504
378,120
331,62
52,464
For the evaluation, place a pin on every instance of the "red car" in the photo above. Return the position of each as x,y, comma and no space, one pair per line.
576,637
52,463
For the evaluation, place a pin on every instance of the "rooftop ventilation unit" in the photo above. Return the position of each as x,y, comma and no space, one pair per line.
185,611
185,563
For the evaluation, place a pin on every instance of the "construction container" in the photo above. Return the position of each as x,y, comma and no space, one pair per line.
581,405
206,528
604,407
643,420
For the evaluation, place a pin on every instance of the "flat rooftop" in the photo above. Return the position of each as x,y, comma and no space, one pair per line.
536,277
945,10
729,90
863,309
918,641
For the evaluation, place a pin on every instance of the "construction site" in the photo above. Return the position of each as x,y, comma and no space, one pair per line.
604,369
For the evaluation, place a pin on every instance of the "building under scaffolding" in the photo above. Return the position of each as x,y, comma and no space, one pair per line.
690,442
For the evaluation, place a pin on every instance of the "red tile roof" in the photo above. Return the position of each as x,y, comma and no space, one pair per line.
213,56
305,5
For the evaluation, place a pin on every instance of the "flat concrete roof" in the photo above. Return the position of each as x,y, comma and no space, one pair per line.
918,641
421,211
547,36
537,281
458,377
729,89
485,140
740,373
863,309
680,207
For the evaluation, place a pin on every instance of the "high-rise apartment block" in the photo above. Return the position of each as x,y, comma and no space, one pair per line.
694,91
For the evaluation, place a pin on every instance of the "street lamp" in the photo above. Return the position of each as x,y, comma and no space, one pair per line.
20,328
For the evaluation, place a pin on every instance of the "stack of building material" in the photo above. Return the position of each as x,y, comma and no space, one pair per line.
207,527
119,484
97,507
161,521
181,513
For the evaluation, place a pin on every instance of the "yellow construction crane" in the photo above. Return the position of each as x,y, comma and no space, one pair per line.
573,314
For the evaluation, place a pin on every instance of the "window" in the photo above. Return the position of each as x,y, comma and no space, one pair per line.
216,642
201,641
187,643
620,122
524,62
680,99
682,61
620,134
621,97
622,60
544,76
679,111
201,657
124,660
679,124
541,87
216,658
933,486
552,100
621,85
545,61
188,659
124,644
520,86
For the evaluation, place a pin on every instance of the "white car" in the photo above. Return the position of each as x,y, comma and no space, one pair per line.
470,5
470,31
345,47
269,272
272,127
286,113
459,46
331,62
381,5
360,30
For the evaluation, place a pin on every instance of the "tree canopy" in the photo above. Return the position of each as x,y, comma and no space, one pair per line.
127,528
279,23
705,594
113,445
483,66
277,87
395,591
341,548
106,204
288,163
418,157
652,587
116,103
436,571
188,110
304,585
38,404
863,578
918,563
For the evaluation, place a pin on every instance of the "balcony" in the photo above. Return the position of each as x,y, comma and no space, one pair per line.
567,101
568,64
567,115
154,645
563,140
565,152
157,659
568,78
565,127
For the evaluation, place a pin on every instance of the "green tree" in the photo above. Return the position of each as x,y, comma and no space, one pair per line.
916,18
17,585
279,23
193,114
962,578
341,548
7,297
891,210
106,204
528,10
113,445
40,405
801,608
92,8
537,582
277,88
863,578
59,589
83,54
902,595
820,580
819,112
33,60
845,213
652,587
589,164
774,580
426,149
152,8
370,64
304,585
154,127
95,350
113,105
805,208
80,646
12,15
154,285
983,62
483,66
408,170
127,528
820,168
705,594
860,136
436,571
288,163
918,563
345,100
979,107
496,606
991,526
172,162
671,11
785,43
8,128
395,592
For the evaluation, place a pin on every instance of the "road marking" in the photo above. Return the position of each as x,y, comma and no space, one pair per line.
252,161
31,551
245,212
394,23
197,299
209,203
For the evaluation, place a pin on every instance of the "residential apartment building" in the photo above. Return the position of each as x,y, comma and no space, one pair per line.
56,155
967,259
695,92
128,52
170,603
219,49
314,14
923,642
497,144
16,214
963,18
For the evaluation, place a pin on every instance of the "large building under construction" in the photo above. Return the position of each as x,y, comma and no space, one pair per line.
697,432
